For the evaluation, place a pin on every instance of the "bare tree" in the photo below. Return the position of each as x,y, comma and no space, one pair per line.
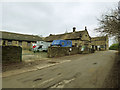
109,24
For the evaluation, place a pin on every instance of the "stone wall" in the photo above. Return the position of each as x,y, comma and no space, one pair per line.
11,54
98,41
15,43
63,51
24,44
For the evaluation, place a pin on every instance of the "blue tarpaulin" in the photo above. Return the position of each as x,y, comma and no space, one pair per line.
62,43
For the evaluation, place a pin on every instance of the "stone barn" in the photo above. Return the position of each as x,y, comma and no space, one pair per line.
16,39
100,43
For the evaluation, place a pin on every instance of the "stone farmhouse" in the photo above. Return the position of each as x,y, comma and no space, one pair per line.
80,38
15,39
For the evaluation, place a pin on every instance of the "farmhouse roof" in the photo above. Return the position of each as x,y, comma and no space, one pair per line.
65,36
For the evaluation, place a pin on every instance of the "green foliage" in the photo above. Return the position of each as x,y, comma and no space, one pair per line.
114,46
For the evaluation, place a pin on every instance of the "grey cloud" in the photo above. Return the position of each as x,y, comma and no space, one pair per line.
45,18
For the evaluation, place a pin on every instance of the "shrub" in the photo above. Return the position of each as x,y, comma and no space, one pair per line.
114,46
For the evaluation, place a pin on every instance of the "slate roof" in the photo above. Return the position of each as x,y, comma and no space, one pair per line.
65,36
19,37
99,38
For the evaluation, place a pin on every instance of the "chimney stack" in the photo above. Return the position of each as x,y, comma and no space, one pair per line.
85,28
74,28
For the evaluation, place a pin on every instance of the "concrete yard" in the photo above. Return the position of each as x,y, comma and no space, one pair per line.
81,71
30,55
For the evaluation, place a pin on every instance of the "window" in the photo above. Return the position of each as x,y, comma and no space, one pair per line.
92,46
40,46
80,46
0,42
20,43
75,44
9,42
80,36
4,42
96,47
15,42
28,43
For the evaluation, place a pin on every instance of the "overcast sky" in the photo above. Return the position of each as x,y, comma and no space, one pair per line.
44,18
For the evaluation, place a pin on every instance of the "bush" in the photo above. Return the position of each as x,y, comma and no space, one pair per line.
114,46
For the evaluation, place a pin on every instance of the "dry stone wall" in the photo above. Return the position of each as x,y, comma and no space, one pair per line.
11,54
63,51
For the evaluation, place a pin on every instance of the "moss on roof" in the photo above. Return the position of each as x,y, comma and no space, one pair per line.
20,37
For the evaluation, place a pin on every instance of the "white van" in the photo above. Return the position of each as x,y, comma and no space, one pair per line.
41,46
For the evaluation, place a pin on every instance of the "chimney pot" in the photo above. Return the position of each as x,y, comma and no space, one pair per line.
85,28
50,35
74,28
